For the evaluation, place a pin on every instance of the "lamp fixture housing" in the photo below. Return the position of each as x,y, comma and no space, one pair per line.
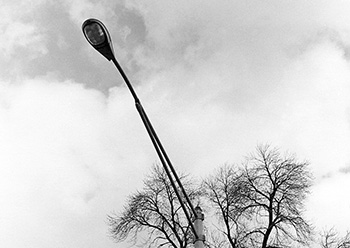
98,36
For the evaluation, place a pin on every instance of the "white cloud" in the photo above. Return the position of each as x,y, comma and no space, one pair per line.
20,34
317,106
328,206
80,10
280,67
65,163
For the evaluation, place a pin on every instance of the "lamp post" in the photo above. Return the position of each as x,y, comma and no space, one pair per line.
98,36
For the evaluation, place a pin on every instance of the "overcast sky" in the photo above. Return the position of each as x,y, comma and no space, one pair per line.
216,78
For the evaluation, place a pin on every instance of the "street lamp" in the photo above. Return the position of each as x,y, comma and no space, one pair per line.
97,35
99,38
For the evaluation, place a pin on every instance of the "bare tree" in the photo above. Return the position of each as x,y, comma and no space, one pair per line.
258,205
155,213
261,204
226,190
278,185
330,239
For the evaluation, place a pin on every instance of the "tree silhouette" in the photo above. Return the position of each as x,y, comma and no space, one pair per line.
155,212
227,190
278,187
258,204
261,204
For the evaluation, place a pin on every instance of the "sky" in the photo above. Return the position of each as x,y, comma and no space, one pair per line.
216,78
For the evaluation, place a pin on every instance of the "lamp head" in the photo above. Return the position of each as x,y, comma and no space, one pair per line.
98,36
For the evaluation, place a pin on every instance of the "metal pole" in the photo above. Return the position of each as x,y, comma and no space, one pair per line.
160,151
149,129
171,167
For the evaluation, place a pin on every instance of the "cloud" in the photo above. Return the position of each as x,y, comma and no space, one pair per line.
320,106
64,155
328,205
19,29
279,68
83,9
21,37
